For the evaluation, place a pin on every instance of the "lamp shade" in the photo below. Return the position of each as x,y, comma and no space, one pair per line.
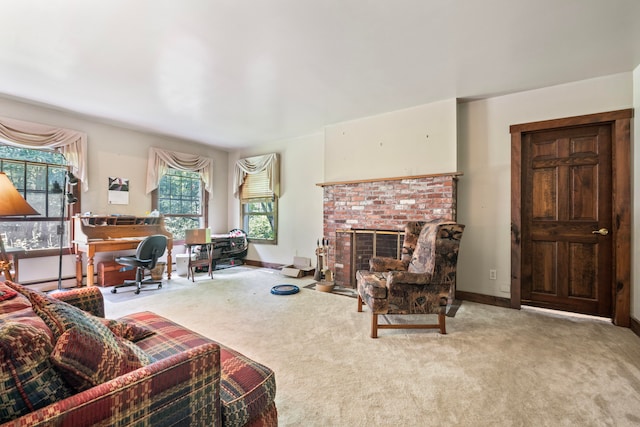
11,201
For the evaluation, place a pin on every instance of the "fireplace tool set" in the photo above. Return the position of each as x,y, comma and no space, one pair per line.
322,253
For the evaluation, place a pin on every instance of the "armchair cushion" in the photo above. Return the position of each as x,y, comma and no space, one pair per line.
410,298
423,260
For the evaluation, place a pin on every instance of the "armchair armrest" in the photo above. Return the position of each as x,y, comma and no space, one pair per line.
89,299
407,278
183,389
381,264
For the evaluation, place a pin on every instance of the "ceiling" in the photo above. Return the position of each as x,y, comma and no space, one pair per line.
235,73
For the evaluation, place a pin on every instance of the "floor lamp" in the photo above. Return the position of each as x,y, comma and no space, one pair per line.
67,199
11,204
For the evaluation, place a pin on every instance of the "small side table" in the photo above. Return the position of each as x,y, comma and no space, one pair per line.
204,258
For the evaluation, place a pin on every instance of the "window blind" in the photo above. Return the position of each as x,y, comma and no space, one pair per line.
256,186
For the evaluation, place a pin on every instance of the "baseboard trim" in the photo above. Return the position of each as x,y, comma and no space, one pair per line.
634,325
483,299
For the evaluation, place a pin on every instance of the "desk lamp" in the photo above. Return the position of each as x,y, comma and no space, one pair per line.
67,199
11,204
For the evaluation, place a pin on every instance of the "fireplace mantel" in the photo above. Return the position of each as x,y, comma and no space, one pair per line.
397,178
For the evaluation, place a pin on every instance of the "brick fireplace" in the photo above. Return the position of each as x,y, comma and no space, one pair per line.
366,218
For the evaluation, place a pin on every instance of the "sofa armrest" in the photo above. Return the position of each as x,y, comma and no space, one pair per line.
89,299
183,389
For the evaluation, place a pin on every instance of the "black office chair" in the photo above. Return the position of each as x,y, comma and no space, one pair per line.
146,257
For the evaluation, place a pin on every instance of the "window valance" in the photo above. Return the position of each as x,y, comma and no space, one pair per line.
253,165
72,144
160,160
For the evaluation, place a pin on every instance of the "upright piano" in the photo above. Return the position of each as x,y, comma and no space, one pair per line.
94,234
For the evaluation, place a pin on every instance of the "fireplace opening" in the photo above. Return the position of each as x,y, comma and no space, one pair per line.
356,247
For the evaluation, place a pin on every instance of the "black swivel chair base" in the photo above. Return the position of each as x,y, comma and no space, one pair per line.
138,283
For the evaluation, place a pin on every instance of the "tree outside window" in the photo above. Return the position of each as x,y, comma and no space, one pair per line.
39,176
259,213
259,219
181,199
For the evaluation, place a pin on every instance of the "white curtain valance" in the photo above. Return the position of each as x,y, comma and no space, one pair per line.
252,165
160,160
72,144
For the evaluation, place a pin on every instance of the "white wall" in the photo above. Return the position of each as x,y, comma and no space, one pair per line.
484,156
116,151
300,203
413,141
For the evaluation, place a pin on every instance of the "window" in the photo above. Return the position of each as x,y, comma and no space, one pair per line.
38,175
259,209
180,198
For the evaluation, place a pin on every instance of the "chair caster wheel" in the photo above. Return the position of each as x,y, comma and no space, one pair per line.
160,286
114,290
137,291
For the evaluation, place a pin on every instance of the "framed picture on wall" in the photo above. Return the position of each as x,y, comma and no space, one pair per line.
118,191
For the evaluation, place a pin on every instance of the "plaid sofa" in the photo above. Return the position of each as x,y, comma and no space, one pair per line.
176,378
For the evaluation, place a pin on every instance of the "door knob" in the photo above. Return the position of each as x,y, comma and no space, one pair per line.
602,232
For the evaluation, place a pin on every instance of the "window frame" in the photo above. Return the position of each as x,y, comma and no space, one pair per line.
70,210
204,202
244,219
256,189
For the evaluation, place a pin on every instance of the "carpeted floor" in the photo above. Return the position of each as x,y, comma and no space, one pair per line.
337,290
495,366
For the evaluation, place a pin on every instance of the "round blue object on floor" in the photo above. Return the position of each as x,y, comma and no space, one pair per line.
285,290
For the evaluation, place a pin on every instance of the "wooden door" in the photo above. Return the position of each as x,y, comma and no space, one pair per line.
566,219
522,244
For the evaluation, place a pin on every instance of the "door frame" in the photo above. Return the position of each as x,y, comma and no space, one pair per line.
620,122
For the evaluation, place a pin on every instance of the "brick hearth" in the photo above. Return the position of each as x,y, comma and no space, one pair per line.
358,208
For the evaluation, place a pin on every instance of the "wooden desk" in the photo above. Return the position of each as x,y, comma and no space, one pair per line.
91,248
111,234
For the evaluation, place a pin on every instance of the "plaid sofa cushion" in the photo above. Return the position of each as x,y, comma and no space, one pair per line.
86,352
88,356
28,380
6,294
127,330
19,309
169,338
9,305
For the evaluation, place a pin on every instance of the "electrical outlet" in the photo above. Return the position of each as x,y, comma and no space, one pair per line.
493,275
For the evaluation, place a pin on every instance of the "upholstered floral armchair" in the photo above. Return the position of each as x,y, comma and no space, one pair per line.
421,282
